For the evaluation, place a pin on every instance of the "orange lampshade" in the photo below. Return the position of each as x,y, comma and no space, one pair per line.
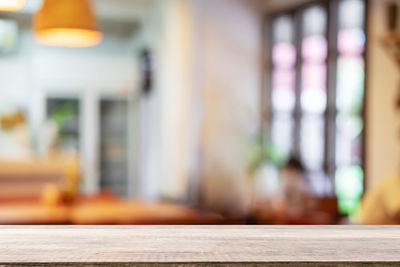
11,5
68,23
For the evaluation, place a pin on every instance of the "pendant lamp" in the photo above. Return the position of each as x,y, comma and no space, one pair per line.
67,23
11,5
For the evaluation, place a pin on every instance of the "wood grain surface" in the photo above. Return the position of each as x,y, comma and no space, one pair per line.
200,245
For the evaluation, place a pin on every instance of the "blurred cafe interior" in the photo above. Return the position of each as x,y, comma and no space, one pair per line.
199,112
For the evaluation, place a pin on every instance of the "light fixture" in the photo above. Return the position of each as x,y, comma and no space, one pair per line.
68,23
11,5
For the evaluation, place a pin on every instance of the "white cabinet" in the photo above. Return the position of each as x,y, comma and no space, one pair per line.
103,128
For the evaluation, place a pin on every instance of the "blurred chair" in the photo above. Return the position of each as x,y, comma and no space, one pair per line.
320,210
325,210
326,204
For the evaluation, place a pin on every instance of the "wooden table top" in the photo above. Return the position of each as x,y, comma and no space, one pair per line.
200,245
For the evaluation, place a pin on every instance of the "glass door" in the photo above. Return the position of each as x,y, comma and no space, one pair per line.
65,113
114,172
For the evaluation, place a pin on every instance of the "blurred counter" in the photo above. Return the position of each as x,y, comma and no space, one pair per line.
28,178
45,191
105,210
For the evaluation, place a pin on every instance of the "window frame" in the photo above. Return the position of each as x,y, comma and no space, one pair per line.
331,112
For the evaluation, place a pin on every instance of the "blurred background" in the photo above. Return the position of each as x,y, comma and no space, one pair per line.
199,112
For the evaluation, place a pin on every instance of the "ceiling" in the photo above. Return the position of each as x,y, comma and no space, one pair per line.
269,6
115,10
134,10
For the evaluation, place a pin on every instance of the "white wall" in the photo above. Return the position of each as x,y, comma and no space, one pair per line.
231,61
170,125
207,84
151,36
